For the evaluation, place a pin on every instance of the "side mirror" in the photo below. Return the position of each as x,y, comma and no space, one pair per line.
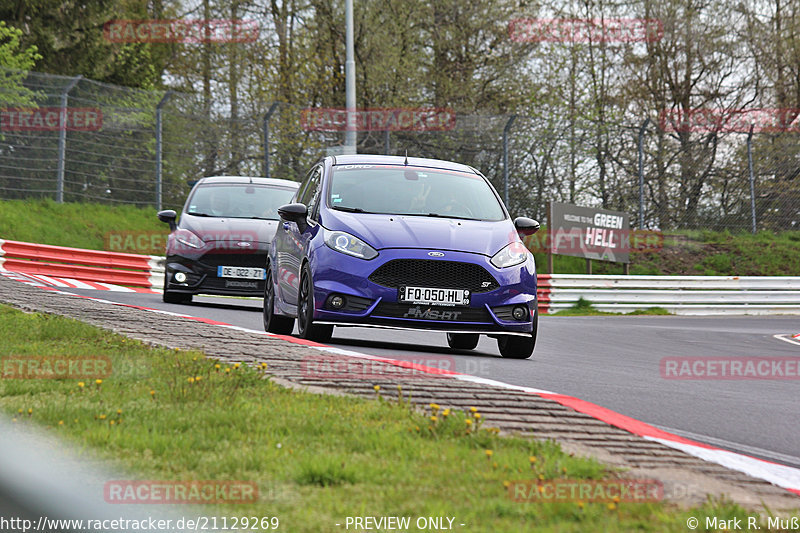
168,216
526,226
297,213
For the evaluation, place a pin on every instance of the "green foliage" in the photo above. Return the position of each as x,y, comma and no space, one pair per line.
15,60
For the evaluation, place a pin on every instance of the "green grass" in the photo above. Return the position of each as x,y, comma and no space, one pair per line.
315,458
699,253
137,230
584,307
80,225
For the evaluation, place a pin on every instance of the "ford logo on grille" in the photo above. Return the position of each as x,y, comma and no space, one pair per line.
436,254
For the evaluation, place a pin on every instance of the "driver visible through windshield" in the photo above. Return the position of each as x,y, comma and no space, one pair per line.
419,191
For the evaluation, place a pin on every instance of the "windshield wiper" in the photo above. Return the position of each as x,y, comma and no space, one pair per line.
350,209
435,215
199,214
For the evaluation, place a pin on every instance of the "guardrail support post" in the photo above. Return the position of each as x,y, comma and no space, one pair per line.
505,157
62,139
267,118
159,180
386,142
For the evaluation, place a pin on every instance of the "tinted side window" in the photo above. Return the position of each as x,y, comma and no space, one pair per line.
310,195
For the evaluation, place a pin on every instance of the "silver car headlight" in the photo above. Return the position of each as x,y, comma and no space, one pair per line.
513,254
350,245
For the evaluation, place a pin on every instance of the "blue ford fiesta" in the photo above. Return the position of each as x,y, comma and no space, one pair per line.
402,242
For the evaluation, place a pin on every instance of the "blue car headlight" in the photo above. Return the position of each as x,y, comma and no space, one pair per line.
349,244
513,254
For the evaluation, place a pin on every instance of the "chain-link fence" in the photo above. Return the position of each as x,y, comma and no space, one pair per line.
143,147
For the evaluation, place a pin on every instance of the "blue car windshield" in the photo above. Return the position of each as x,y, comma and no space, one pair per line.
398,190
238,201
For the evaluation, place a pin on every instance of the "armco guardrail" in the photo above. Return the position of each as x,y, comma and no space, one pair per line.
86,265
681,295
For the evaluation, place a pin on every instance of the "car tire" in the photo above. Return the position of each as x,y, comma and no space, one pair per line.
519,347
463,341
305,311
281,325
172,297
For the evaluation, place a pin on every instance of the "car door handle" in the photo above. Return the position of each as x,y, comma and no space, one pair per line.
285,225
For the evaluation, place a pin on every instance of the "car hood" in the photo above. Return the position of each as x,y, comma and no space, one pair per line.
396,231
212,229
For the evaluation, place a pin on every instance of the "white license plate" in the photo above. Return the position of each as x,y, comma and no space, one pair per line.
241,272
433,296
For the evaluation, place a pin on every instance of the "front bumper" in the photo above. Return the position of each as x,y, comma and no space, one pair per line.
372,304
201,273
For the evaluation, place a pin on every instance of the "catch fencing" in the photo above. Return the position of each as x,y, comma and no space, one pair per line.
122,145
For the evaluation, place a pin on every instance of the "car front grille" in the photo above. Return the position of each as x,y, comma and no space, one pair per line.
244,259
433,273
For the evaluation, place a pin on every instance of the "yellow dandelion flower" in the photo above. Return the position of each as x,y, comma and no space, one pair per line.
468,421
111,422
446,412
152,392
227,370
102,417
217,366
494,465
434,419
30,411
236,365
434,406
190,380
580,504
264,366
541,477
98,382
489,453
81,384
119,411
377,388
198,378
612,506
616,499
60,422
541,488
477,415
532,459
506,484
19,411
473,409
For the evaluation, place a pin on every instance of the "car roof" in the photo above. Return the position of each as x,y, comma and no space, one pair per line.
400,160
255,180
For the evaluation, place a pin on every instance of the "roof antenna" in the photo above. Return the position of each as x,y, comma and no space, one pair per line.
406,161
251,179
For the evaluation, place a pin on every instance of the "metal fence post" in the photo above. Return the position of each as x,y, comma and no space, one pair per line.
386,143
505,157
752,177
62,139
641,172
159,180
267,118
